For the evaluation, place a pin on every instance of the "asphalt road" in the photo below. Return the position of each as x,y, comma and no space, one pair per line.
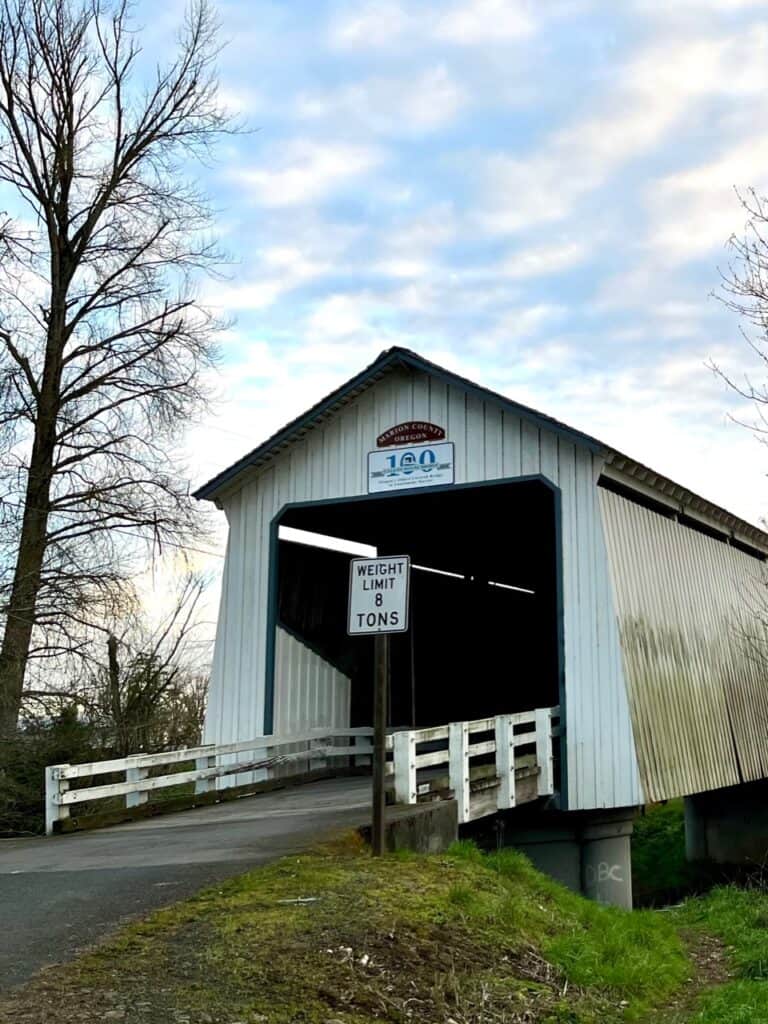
61,894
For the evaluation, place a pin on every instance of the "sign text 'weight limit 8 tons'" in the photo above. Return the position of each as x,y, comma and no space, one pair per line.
378,594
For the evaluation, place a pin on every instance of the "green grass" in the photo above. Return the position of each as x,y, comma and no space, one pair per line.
637,957
739,917
660,872
465,936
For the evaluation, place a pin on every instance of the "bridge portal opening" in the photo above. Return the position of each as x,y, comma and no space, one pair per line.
484,628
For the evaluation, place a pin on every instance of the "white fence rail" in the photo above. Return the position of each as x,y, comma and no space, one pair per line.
488,764
266,755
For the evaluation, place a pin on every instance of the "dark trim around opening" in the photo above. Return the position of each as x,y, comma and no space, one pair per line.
274,579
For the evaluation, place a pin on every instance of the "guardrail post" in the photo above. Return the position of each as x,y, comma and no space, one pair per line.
136,775
458,766
505,761
205,785
54,786
363,758
404,757
544,751
316,763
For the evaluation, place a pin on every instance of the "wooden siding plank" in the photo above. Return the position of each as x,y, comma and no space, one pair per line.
573,637
438,404
475,439
548,455
456,430
511,428
420,409
333,458
590,706
494,467
530,452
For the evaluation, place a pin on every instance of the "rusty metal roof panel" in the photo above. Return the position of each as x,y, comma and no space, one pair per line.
694,648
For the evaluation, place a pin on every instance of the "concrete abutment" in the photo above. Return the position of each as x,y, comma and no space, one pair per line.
588,851
728,826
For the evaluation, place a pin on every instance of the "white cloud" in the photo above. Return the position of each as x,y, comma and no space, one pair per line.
339,316
280,270
520,323
407,249
695,211
540,260
239,99
375,24
530,320
485,21
655,90
657,305
697,7
303,171
433,227
390,105
406,268
387,23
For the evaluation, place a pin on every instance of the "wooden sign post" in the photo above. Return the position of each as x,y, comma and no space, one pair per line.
378,605
380,702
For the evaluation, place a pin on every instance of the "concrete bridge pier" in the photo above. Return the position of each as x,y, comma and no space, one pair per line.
589,851
606,858
728,826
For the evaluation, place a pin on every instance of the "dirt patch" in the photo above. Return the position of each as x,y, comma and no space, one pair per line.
437,975
709,960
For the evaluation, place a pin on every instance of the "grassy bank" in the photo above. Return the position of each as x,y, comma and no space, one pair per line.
739,918
338,936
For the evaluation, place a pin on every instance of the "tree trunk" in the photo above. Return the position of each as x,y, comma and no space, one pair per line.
115,704
20,612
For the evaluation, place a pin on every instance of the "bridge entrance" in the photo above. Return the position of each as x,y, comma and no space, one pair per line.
486,629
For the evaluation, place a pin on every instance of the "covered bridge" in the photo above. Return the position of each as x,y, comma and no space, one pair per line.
550,571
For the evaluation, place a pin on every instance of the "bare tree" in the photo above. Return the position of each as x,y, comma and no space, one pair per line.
745,292
103,348
147,691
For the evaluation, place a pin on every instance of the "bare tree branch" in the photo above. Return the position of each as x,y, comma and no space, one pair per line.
103,347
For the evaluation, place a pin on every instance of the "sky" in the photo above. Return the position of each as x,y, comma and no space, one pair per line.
536,195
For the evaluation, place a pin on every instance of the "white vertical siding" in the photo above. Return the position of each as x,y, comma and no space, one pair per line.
309,691
491,443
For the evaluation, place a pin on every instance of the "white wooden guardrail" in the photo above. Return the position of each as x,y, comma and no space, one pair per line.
489,764
212,762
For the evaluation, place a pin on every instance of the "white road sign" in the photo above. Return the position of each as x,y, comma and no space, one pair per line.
420,465
378,594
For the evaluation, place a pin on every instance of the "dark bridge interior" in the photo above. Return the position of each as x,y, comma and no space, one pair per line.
483,640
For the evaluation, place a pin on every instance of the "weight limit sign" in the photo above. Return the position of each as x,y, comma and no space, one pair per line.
378,594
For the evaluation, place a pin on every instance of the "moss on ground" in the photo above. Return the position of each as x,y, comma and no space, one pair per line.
337,936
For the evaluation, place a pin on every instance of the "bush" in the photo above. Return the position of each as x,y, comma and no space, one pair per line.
23,758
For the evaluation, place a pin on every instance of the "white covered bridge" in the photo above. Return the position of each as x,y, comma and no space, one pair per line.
585,634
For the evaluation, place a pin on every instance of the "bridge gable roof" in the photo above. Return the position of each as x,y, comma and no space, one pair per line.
618,467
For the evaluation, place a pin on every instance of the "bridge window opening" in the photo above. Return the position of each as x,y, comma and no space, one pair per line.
483,636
